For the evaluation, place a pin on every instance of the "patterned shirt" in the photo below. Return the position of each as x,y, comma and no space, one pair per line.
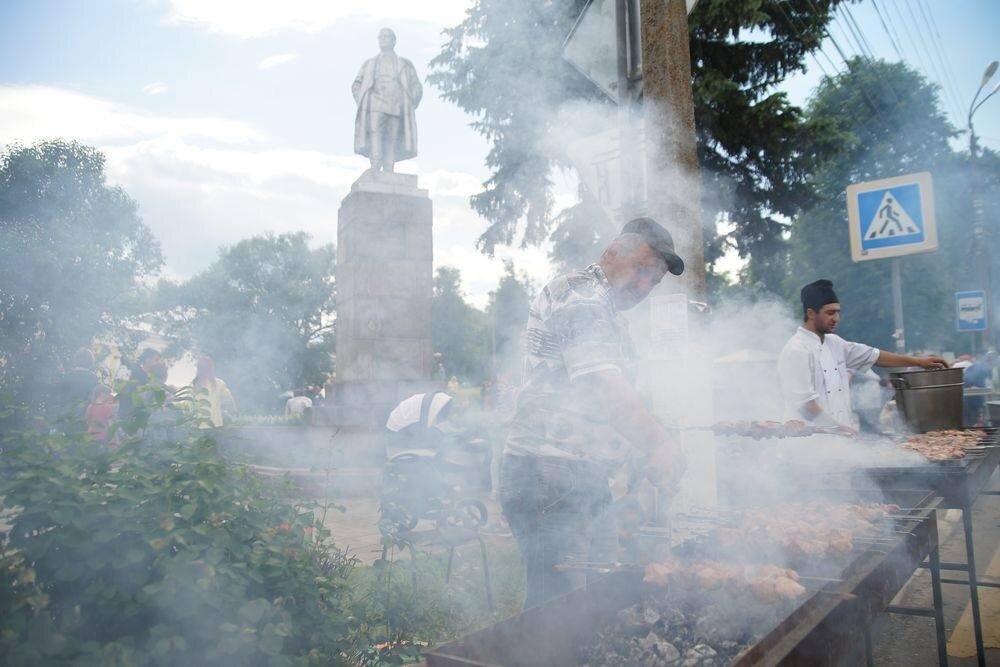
573,329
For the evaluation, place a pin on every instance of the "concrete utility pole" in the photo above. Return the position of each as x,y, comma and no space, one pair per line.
980,232
672,192
673,198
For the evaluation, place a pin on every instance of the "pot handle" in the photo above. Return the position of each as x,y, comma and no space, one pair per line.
898,382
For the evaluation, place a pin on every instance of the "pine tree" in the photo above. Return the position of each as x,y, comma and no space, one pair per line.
503,65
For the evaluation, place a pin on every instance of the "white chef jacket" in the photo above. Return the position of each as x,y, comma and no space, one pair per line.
811,369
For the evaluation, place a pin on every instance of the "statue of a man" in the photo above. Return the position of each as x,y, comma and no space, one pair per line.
387,91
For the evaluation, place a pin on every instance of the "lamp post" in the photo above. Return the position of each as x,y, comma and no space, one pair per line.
979,231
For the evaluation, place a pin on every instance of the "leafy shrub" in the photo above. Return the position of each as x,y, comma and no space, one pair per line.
412,606
159,551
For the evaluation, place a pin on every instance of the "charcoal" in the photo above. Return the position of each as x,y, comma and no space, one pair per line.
650,616
665,632
632,620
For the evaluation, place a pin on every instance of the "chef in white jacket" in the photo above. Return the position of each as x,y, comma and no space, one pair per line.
815,365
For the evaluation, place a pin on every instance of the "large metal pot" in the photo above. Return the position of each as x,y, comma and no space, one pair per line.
930,399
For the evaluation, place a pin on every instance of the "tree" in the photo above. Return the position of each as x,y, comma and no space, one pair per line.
503,65
264,311
890,122
508,313
73,251
459,331
580,234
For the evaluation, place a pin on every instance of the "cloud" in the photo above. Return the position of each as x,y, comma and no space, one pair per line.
277,59
156,88
255,18
444,183
202,182
30,113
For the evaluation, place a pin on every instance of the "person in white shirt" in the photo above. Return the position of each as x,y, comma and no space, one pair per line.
815,365
297,404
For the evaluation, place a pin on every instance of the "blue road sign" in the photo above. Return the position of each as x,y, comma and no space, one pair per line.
891,217
970,311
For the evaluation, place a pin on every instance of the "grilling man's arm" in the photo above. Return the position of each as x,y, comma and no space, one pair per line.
893,360
665,461
627,412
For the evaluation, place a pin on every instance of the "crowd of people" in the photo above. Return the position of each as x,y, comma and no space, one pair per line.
84,401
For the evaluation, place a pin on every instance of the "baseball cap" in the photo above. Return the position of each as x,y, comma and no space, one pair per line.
659,239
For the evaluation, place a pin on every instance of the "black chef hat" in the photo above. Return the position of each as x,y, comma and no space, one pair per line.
818,294
659,239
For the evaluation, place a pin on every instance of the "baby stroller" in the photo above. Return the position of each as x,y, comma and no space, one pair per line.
432,470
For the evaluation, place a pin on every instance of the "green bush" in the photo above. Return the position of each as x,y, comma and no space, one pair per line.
412,606
158,551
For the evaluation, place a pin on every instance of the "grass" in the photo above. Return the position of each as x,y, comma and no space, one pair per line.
427,611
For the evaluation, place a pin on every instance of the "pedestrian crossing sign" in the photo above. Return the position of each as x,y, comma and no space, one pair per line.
892,217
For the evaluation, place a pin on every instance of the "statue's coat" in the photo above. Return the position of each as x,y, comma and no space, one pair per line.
406,143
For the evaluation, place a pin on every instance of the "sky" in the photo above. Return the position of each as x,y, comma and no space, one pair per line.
230,118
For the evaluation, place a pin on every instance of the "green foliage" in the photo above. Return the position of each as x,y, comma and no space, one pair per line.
72,252
905,131
503,65
508,312
264,311
267,420
459,331
412,606
755,149
580,234
160,552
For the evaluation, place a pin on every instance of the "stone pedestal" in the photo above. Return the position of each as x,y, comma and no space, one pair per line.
384,288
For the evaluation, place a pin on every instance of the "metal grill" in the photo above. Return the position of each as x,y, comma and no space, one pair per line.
823,628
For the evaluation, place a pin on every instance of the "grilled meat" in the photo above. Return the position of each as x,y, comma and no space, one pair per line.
759,430
767,583
944,445
802,531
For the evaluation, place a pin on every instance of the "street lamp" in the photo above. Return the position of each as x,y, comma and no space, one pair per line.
973,108
979,239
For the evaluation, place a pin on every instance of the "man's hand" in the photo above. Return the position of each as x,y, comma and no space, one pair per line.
892,359
930,362
665,467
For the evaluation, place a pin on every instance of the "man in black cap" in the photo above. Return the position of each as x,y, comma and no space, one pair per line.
816,365
578,413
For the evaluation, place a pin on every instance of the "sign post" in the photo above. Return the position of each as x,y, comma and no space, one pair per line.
887,219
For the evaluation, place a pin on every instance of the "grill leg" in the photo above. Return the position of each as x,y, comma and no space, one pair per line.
970,558
486,575
942,640
413,566
869,657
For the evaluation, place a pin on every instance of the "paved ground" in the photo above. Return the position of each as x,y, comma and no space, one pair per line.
356,528
909,640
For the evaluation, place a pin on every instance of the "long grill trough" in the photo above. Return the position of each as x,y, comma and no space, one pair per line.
824,626
957,481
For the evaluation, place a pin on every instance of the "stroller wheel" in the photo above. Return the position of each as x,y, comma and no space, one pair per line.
467,513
